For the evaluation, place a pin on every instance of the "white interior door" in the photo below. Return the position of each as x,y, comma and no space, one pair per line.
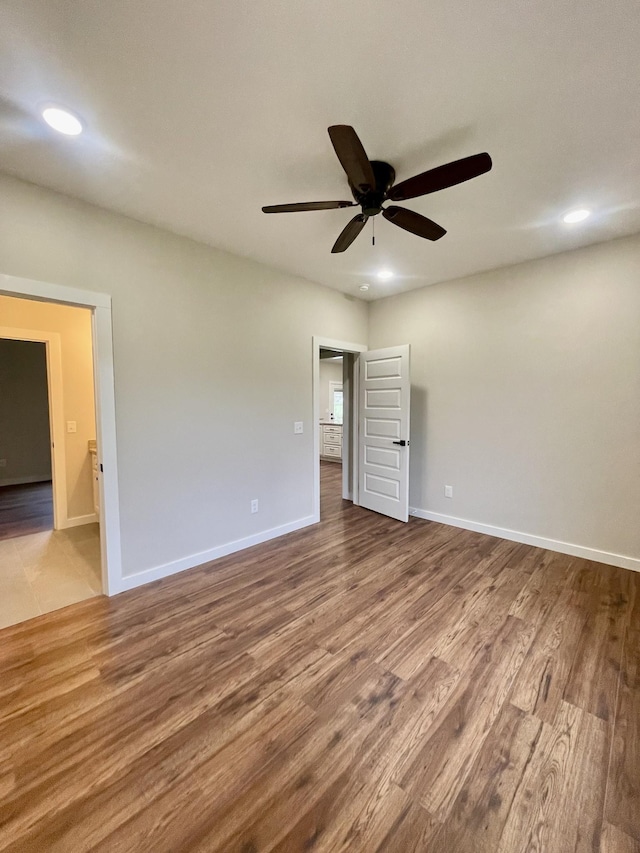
383,434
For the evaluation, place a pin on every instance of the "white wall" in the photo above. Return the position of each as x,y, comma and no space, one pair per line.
73,325
213,364
526,382
330,371
526,395
24,412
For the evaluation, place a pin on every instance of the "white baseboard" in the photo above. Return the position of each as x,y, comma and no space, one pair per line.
140,578
79,520
620,560
24,481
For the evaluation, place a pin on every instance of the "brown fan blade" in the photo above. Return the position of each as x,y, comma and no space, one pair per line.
349,233
352,156
442,177
414,222
307,205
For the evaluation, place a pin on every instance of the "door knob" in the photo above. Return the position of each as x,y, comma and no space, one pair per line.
402,442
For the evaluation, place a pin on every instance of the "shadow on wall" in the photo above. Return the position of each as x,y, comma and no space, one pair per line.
418,457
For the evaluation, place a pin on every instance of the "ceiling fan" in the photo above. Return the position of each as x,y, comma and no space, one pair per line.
371,184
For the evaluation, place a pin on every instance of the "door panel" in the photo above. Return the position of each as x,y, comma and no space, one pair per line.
384,419
382,457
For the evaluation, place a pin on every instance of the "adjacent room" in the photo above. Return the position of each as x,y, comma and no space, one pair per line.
319,427
49,506
331,402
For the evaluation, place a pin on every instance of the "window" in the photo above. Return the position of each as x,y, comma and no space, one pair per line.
337,406
336,401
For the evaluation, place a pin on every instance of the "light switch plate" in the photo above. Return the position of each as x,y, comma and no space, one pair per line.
298,427
72,426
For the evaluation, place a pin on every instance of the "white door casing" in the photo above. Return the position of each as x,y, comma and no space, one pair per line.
350,421
385,388
100,303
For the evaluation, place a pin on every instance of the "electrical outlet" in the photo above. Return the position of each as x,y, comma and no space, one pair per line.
3,463
298,427
448,491
254,505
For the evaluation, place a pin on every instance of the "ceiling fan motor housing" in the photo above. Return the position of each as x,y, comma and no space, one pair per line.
371,200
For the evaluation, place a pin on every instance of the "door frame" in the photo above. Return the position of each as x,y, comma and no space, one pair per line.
349,485
104,390
53,349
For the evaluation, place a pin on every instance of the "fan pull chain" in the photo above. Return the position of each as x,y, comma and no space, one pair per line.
373,238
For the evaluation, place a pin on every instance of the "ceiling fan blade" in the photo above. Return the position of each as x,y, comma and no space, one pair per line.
352,156
441,177
414,222
349,233
307,205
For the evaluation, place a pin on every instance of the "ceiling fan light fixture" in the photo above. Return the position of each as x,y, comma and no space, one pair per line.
372,182
578,215
62,120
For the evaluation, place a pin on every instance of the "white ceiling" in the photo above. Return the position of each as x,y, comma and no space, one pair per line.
200,112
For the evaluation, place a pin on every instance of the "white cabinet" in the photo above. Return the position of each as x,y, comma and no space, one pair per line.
331,441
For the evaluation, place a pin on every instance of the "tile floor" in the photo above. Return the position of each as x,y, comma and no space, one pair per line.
44,571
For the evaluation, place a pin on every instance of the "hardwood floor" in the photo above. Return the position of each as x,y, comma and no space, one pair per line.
25,509
361,685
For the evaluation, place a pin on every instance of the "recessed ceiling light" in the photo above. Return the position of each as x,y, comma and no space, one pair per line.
364,287
576,216
62,120
385,275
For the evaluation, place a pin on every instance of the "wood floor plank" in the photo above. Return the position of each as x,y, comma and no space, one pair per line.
409,653
359,685
559,804
365,819
413,831
480,622
440,767
623,795
593,681
543,677
414,712
308,766
196,770
481,809
615,841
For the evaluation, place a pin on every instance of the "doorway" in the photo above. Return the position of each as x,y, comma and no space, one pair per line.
86,507
49,521
26,490
334,419
331,424
374,438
